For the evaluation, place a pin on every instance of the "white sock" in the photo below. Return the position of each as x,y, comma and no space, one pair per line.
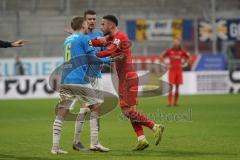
94,119
79,123
154,127
57,130
141,137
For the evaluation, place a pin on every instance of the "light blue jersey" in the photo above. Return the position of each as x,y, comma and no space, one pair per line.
95,35
78,55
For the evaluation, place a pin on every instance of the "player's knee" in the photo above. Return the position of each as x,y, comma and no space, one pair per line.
62,108
94,107
61,113
177,88
60,117
64,104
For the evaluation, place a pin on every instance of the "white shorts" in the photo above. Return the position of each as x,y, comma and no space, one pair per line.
82,92
97,85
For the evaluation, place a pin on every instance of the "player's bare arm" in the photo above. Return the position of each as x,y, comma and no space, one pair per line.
186,60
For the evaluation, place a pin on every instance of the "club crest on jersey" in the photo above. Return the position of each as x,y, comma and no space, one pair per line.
116,41
90,43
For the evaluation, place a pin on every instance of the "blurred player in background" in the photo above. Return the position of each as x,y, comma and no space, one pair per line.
76,46
6,44
128,79
19,69
91,17
178,58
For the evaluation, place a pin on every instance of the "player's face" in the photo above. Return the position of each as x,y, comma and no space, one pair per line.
105,26
176,43
91,20
85,27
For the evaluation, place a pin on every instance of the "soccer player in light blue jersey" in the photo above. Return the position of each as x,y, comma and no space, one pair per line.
90,17
76,78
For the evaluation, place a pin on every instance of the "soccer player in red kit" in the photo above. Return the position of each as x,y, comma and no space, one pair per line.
176,56
116,42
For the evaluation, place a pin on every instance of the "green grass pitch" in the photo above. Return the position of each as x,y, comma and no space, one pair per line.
202,127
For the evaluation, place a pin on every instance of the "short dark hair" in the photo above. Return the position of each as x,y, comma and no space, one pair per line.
111,18
77,22
90,12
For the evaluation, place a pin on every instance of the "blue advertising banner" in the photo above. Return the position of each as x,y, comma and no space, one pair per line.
210,62
32,66
131,29
188,30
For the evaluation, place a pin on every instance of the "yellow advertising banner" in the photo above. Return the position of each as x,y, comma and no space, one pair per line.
141,30
177,28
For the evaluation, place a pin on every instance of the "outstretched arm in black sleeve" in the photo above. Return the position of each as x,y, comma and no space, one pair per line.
6,44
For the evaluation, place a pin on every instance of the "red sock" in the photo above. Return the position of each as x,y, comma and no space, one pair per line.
137,128
170,98
176,98
139,118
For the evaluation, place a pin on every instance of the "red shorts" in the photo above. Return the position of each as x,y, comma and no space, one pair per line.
128,90
175,77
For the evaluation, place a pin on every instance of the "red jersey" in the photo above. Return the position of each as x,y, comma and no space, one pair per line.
128,78
118,44
176,56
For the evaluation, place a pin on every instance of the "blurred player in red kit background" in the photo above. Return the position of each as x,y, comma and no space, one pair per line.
178,58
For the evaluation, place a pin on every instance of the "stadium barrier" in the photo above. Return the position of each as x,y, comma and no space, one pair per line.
34,87
36,84
206,82
209,82
44,66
